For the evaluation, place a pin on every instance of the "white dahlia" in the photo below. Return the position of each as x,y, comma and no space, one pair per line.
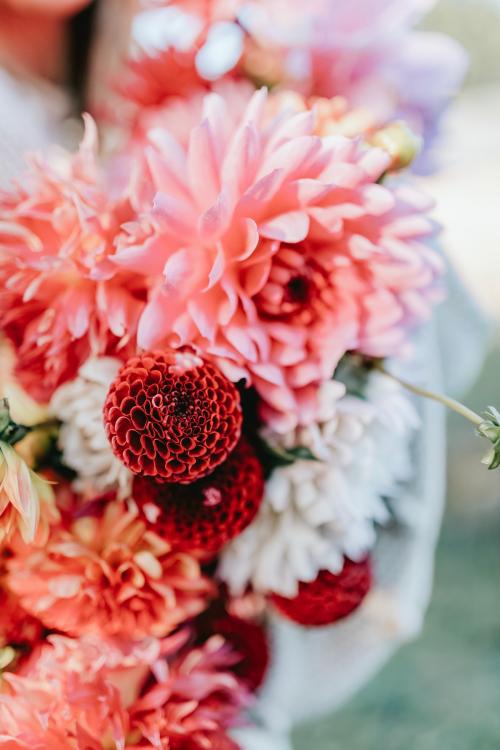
82,439
315,512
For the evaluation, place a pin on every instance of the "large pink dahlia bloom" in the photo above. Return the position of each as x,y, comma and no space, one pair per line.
207,10
61,299
275,251
67,710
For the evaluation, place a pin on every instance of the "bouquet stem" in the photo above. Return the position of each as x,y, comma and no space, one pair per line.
487,425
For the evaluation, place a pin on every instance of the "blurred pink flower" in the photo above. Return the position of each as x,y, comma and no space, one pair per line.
72,697
367,52
197,699
152,78
106,573
68,711
275,250
61,299
63,699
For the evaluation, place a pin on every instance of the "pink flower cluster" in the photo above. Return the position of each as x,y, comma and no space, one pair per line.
62,298
366,52
263,245
67,697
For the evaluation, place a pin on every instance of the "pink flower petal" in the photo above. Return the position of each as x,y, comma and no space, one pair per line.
291,227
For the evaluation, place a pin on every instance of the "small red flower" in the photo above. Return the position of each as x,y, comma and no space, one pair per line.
208,513
172,416
249,640
329,597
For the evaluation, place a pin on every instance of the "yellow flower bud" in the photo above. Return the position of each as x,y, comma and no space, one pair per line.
400,142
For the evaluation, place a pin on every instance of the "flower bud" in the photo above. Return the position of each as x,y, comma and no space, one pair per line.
400,142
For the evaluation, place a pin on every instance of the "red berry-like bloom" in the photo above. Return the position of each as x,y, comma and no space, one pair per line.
249,640
329,597
172,416
208,513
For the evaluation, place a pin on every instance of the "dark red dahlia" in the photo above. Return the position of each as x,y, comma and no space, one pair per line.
207,513
329,597
249,640
172,416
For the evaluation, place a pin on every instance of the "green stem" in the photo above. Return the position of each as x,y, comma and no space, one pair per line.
450,403
47,425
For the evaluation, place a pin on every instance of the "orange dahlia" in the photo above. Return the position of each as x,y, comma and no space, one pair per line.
104,572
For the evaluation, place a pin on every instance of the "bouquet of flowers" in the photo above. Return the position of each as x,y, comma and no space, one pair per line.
200,430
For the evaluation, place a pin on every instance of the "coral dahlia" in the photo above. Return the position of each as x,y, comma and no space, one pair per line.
61,298
74,695
106,573
329,597
199,699
172,416
203,516
151,79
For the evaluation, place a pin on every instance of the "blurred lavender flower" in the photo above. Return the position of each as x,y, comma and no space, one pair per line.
367,52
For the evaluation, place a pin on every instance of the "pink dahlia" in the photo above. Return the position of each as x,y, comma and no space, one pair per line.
195,702
65,710
206,10
64,698
61,298
105,573
152,78
71,697
275,251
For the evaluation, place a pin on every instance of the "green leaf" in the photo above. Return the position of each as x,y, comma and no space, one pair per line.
10,432
490,429
284,456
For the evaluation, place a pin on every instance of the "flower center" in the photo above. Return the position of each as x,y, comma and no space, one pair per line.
299,290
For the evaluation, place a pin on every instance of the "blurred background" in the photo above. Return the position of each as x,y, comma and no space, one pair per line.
442,692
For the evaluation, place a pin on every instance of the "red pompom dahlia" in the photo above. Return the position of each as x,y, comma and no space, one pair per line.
329,597
249,640
207,514
172,416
